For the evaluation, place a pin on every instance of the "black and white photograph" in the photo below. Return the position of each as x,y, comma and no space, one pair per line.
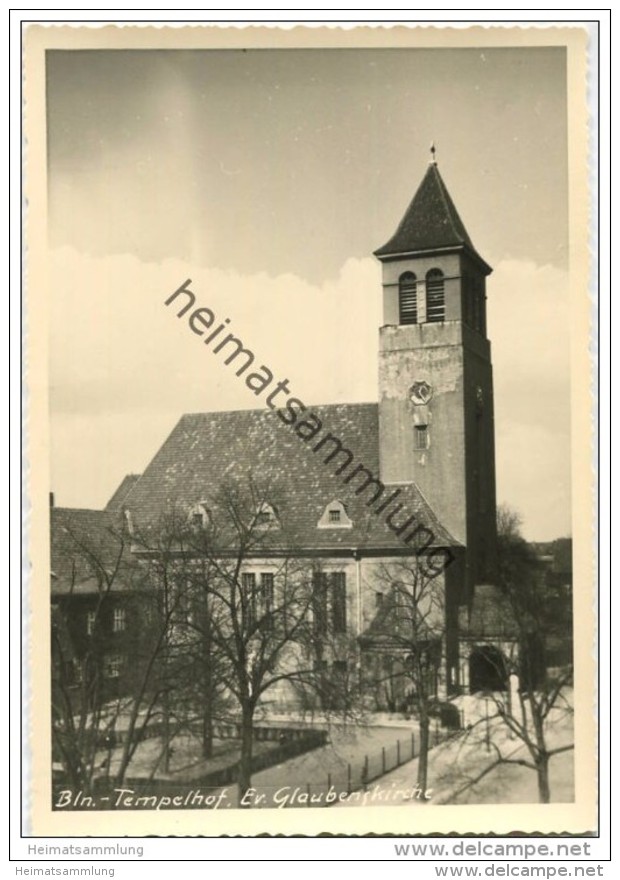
312,326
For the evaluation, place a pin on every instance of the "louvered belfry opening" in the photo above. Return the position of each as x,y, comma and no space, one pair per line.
435,296
408,299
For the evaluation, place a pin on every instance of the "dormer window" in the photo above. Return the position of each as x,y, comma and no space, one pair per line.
199,516
266,517
335,517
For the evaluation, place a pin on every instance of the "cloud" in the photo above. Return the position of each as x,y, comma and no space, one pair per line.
528,310
117,348
123,367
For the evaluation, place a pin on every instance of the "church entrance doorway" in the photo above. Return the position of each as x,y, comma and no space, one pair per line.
487,670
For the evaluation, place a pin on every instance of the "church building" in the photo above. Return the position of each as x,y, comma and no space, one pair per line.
395,495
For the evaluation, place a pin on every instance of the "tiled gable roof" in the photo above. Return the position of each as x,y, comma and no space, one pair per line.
120,496
206,449
82,541
431,222
393,624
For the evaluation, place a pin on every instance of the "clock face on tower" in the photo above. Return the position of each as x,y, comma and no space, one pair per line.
420,392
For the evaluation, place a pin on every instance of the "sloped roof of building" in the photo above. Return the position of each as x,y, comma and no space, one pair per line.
431,222
206,449
398,624
118,499
89,552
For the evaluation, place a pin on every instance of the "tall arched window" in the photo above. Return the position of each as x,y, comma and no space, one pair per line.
435,296
407,299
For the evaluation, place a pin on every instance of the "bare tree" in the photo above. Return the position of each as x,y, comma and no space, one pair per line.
100,699
407,638
249,601
535,706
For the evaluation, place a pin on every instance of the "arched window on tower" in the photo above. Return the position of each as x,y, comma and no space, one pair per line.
407,299
435,296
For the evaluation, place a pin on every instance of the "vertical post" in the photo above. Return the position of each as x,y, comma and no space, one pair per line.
308,792
348,778
383,759
488,732
413,745
329,781
398,753
365,772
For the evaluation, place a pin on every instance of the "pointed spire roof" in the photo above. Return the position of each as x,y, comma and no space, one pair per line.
431,222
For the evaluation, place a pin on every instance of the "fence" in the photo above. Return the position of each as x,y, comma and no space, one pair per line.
355,782
360,774
338,784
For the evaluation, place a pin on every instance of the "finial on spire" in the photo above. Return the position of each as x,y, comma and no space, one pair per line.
433,160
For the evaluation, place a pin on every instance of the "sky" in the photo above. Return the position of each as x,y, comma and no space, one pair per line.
269,178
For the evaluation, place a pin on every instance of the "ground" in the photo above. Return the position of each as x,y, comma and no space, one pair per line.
377,759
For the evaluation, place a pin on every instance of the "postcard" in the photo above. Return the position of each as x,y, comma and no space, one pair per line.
309,430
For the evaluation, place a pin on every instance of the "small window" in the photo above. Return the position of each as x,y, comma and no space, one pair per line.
335,516
378,600
421,437
407,299
113,665
266,517
118,620
91,619
199,517
77,671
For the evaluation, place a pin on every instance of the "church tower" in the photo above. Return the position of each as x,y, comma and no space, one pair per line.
435,374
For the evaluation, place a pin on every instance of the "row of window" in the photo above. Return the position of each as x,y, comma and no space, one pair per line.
200,516
267,517
119,620
410,311
329,606
413,309
112,667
